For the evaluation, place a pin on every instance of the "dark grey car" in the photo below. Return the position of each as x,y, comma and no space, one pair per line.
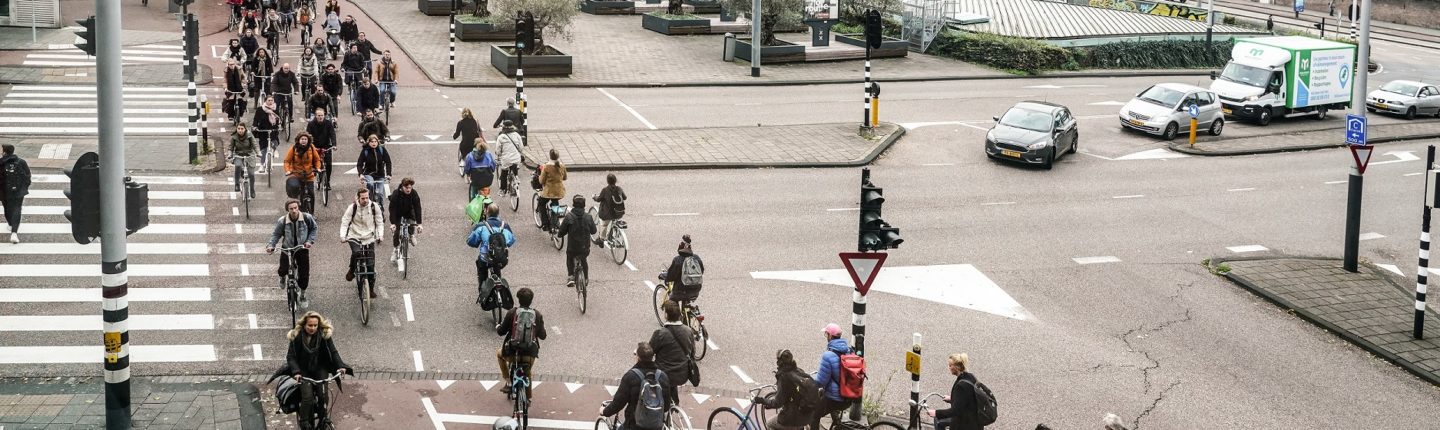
1033,132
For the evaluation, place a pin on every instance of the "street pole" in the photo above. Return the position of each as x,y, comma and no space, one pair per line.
1354,22
866,122
1357,183
915,384
453,6
189,25
115,306
205,121
755,38
1209,24
1420,271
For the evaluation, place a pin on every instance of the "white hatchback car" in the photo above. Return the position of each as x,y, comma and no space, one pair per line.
1408,98
1164,110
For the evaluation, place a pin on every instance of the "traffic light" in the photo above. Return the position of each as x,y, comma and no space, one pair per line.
137,206
875,233
872,28
84,195
524,30
86,35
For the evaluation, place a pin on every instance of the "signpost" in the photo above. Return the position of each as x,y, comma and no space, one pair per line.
1194,121
1355,128
1355,136
820,15
1361,153
863,266
912,365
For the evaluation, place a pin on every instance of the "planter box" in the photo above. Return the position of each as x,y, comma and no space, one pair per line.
704,6
787,53
608,7
436,7
667,26
888,47
481,31
504,60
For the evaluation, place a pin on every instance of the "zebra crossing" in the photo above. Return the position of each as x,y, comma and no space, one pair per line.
72,110
49,286
131,55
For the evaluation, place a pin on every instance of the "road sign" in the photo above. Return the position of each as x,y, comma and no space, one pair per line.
1362,156
912,363
1194,111
863,266
1299,6
1355,126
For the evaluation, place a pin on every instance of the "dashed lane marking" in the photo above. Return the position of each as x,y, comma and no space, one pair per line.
1096,260
1236,190
1371,236
1131,196
679,214
1246,248
419,366
741,373
409,309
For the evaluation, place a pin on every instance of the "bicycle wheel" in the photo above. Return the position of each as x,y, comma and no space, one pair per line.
364,300
555,239
885,425
514,197
581,281
535,207
292,298
325,199
404,258
677,419
268,170
385,104
729,419
603,423
701,338
661,294
245,193
619,245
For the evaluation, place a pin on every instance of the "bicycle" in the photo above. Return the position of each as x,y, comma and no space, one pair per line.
520,390
387,98
690,316
323,404
287,22
582,279
728,418
241,165
377,189
404,247
291,281
286,111
555,213
237,105
614,238
364,262
497,312
352,81
671,423
307,196
507,187
324,176
267,154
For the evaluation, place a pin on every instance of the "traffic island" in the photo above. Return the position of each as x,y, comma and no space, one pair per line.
1328,137
551,63
670,25
810,145
633,7
1370,309
805,52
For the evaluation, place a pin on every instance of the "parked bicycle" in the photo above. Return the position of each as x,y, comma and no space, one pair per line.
614,238
690,316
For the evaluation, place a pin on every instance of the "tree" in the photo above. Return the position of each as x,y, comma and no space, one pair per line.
552,15
783,13
482,8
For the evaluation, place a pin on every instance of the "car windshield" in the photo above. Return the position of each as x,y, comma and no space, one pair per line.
1026,119
1401,88
1248,75
1162,96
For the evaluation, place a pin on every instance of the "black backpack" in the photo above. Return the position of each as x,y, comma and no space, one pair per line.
807,400
496,253
985,406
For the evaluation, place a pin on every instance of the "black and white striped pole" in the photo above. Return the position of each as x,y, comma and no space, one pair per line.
453,7
912,365
191,29
1421,281
115,306
872,40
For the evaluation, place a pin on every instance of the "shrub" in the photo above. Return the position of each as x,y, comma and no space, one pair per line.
1008,53
1028,56
774,13
551,16
1159,54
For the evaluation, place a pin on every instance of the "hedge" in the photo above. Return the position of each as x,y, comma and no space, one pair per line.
1029,56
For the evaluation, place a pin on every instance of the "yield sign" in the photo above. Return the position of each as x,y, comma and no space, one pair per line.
1362,156
863,267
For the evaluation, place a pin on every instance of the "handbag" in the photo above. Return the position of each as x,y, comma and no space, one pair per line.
694,368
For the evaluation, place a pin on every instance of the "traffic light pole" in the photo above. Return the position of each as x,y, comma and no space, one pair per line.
1357,183
113,281
756,38
866,123
190,28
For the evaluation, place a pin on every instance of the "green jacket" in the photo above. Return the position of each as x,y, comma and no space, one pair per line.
242,146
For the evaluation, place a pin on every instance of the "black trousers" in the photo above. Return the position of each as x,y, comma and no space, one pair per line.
570,263
542,206
12,212
827,407
302,267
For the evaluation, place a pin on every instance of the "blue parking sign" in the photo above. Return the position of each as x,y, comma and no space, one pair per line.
1194,111
1299,6
1355,127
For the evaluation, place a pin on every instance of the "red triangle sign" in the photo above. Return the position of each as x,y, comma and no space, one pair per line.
863,267
1362,156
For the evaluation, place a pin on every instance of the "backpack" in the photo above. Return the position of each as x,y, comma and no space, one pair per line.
650,406
287,395
807,400
496,252
985,406
522,332
852,377
617,204
691,274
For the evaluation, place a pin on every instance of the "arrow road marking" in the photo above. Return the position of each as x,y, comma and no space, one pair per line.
1401,157
959,285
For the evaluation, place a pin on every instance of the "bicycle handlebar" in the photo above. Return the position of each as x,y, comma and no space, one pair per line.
322,381
754,392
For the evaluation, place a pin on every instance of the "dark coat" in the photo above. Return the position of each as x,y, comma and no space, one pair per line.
672,275
404,205
628,394
322,133
353,62
285,82
16,182
249,44
467,130
318,363
611,197
349,30
510,113
234,79
577,229
673,350
366,47
369,97
373,126
963,410
504,329
263,123
373,162
787,394
320,101
334,83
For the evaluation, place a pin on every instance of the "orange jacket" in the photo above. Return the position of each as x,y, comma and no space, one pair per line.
303,164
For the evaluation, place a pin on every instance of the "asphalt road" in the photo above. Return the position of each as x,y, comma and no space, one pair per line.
1151,335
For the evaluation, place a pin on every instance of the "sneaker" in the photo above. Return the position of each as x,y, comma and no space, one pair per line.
570,283
304,302
599,243
505,389
15,238
414,239
237,188
394,255
260,171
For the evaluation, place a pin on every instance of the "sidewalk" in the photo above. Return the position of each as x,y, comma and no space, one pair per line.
1329,137
142,154
1371,309
171,402
813,145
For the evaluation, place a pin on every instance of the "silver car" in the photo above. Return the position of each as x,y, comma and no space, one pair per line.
1164,110
1033,132
1408,98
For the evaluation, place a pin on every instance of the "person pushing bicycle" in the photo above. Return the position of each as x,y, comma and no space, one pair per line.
295,229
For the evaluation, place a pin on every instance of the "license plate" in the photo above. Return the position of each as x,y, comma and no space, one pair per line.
1136,122
1009,153
1227,111
1382,106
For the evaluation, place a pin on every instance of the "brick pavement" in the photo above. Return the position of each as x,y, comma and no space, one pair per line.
1327,137
1371,309
156,403
813,145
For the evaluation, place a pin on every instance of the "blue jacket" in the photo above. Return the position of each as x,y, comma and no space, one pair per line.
485,161
827,376
480,237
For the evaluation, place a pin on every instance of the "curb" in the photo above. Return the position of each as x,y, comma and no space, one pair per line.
874,153
1185,148
1313,319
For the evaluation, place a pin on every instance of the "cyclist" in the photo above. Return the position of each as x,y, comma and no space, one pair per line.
577,228
522,337
321,51
489,258
322,130
373,165
263,66
467,130
386,72
963,412
312,354
235,52
367,99
304,20
683,292
510,113
672,354
250,23
362,223
405,204
270,29
349,30
234,103
796,395
353,65
235,9
242,144
552,187
632,385
612,207
285,86
827,375
372,126
334,83
266,122
318,100
332,6
366,48
479,168
507,151
294,229
301,165
310,65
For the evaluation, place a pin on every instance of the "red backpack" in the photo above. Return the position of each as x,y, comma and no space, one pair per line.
852,377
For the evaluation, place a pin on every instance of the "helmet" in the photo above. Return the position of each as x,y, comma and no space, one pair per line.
506,423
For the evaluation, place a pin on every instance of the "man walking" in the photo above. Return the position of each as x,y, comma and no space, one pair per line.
14,185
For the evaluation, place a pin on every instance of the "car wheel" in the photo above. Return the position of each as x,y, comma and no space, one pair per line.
1369,109
1264,118
1049,160
1437,112
1410,113
1075,144
1322,113
1217,126
1170,131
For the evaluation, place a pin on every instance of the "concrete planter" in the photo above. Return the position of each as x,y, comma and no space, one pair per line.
786,53
889,47
436,7
704,6
481,31
608,7
667,26
504,59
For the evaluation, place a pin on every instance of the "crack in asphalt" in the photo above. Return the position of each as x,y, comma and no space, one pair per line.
1141,332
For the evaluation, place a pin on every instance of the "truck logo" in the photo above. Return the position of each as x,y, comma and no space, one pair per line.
1305,64
1344,75
1256,52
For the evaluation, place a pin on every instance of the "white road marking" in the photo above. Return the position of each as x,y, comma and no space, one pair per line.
1153,154
1371,236
1234,190
1131,196
741,373
444,383
1401,157
1107,103
254,322
1335,182
59,228
996,203
1096,260
628,108
94,354
439,419
244,269
154,210
975,127
630,266
679,214
256,348
409,309
93,270
80,295
1414,174
842,209
250,294
154,195
1246,248
96,322
937,164
711,343
419,367
93,248
1391,267
959,285
573,386
650,286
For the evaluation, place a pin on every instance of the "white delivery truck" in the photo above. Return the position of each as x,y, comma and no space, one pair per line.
1285,76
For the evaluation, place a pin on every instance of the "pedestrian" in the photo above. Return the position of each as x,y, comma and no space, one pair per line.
14,185
673,348
467,130
963,412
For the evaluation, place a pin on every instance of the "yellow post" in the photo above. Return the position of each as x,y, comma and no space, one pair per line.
875,111
1193,124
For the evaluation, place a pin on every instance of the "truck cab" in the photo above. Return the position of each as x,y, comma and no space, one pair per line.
1285,76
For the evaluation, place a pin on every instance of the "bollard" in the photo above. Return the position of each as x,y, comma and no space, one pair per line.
1194,123
204,122
728,54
